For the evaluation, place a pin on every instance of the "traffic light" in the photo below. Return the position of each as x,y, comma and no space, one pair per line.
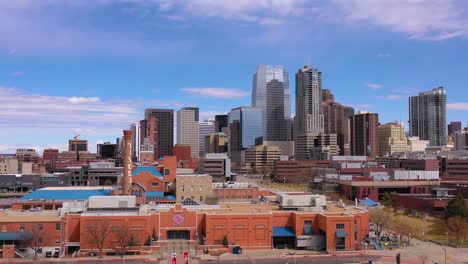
398,258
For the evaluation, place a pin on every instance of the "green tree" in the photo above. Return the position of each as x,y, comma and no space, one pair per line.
456,206
387,199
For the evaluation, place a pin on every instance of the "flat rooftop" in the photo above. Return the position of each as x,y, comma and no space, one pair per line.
9,216
389,183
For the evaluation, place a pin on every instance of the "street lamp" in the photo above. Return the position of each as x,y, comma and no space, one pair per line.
445,255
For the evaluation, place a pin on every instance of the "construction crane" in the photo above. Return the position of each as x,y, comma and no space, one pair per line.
76,147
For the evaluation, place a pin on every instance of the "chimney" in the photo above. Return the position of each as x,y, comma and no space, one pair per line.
127,162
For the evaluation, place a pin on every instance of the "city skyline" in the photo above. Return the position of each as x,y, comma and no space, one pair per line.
52,86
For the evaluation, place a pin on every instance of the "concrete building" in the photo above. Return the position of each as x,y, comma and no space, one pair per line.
427,116
218,165
309,112
336,119
187,129
364,134
164,131
194,186
182,152
71,156
9,166
392,140
259,157
287,147
205,129
315,146
461,139
272,95
27,155
415,144
95,174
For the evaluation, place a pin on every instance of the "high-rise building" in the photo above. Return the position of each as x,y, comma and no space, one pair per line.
136,140
81,144
187,129
454,127
336,119
316,146
216,143
272,95
205,129
309,116
245,124
221,121
427,116
164,132
107,150
364,134
392,140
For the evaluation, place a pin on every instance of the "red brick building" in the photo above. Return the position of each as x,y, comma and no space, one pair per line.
182,152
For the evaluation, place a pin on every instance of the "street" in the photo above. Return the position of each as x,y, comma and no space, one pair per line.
291,260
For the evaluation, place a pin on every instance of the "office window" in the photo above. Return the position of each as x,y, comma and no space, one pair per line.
21,227
57,241
340,226
167,172
57,226
154,184
40,227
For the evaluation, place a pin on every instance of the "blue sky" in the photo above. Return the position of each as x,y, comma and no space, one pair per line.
92,67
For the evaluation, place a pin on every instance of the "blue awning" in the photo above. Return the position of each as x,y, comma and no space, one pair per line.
154,194
15,236
368,202
340,233
283,231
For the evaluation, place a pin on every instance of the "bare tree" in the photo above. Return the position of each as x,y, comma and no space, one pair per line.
98,234
123,236
456,225
380,218
36,241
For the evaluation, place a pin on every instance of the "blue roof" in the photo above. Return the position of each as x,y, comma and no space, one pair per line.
61,195
154,194
283,231
368,202
149,169
340,233
13,236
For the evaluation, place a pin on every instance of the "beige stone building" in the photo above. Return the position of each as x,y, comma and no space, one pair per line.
392,140
258,157
195,186
9,166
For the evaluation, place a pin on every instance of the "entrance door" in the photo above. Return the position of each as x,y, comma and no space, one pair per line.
178,235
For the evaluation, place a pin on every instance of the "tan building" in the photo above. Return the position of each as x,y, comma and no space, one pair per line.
71,156
195,186
316,146
216,143
392,140
417,145
9,166
261,156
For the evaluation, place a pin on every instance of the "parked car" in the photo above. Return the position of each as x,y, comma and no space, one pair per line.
56,252
48,253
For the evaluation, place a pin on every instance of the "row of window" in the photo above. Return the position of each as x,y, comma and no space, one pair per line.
192,188
40,227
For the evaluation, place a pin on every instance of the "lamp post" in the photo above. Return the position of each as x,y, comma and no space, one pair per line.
445,255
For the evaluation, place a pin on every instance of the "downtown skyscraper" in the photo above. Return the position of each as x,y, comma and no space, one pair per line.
427,116
187,129
164,132
272,95
309,113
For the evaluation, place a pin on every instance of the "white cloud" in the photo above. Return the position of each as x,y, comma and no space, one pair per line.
223,93
419,19
458,106
374,86
11,51
391,97
25,112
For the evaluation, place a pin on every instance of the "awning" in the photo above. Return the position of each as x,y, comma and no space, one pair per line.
283,231
368,202
15,236
340,233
